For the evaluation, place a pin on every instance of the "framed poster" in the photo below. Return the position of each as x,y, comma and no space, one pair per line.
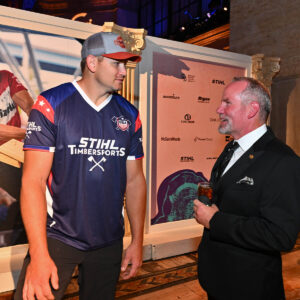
32,61
183,85
37,52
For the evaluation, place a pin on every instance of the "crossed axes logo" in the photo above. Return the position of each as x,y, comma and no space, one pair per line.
96,164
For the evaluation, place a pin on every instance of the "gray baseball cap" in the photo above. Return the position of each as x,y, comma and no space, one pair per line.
107,44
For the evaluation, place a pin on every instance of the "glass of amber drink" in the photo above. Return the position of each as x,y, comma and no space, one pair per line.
205,192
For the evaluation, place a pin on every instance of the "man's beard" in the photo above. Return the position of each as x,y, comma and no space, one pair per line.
225,129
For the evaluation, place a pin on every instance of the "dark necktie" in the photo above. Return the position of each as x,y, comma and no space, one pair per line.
229,150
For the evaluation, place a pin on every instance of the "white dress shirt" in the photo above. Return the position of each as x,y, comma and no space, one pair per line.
245,142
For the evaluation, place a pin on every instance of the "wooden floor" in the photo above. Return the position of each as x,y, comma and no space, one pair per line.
175,278
187,291
191,290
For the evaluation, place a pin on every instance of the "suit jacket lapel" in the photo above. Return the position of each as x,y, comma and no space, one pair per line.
244,162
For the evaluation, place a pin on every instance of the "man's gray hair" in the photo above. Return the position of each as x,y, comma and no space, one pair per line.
256,91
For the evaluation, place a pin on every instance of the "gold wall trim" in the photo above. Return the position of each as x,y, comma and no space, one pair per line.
134,40
265,68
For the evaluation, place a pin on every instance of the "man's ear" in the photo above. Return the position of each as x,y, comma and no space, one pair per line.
254,109
91,62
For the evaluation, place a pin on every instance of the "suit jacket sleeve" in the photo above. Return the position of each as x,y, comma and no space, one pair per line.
276,226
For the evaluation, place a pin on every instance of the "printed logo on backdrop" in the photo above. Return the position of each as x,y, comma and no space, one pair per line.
188,77
202,139
213,120
187,159
217,81
170,139
187,119
171,97
122,123
212,157
191,78
203,99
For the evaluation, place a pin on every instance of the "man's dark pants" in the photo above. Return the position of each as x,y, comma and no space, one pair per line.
99,270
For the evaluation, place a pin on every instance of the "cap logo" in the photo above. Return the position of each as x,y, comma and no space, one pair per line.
119,42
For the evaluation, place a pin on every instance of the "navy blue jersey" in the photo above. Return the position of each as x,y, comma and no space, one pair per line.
91,145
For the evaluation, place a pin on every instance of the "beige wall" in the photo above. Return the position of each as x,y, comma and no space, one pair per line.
272,27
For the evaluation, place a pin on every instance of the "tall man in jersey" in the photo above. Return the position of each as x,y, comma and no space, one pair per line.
83,152
256,214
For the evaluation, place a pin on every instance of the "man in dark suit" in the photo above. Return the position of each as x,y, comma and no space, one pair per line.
256,210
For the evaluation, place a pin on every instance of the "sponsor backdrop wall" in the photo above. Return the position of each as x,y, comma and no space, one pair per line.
186,142
185,85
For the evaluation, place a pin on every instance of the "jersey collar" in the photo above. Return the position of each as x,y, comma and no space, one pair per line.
88,100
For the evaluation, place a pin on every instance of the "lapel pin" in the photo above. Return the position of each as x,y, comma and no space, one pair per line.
251,156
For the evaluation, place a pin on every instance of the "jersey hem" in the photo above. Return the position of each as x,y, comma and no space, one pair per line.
74,245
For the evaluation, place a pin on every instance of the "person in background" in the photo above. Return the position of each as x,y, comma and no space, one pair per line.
256,196
12,96
84,152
